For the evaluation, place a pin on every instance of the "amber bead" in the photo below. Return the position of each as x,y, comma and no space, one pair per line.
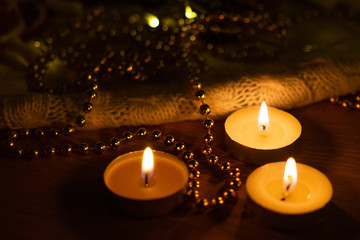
188,155
24,132
83,148
208,138
39,84
91,95
202,204
217,201
87,107
66,149
213,159
156,134
127,135
17,152
208,123
229,194
68,130
12,134
100,147
194,184
50,151
114,142
39,132
205,109
179,146
200,94
54,132
193,164
192,194
206,150
194,174
80,121
9,144
235,172
34,153
168,140
225,166
141,132
235,183
93,86
196,83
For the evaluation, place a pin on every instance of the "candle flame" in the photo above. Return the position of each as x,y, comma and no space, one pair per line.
152,20
189,13
290,175
147,167
263,120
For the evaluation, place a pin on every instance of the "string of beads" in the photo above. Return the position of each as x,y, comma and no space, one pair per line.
120,63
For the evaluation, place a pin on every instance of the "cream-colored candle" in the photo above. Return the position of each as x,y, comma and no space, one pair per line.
259,139
146,193
296,199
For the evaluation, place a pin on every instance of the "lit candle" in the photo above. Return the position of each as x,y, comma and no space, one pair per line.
146,183
288,197
261,135
189,13
152,20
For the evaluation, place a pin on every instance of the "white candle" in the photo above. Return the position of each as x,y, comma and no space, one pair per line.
165,188
296,200
259,140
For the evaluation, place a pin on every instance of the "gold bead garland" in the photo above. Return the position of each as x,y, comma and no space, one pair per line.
349,101
90,80
192,193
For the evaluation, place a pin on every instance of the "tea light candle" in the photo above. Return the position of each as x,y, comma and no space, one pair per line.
296,198
261,135
146,185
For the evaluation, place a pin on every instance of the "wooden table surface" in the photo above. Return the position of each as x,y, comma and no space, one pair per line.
64,197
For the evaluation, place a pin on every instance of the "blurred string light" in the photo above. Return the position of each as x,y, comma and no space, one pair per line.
152,20
189,12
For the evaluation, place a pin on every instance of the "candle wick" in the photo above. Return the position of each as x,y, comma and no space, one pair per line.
285,196
146,180
286,193
263,129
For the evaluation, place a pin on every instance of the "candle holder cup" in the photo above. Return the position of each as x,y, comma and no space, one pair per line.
279,221
304,206
260,156
251,141
147,208
131,194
